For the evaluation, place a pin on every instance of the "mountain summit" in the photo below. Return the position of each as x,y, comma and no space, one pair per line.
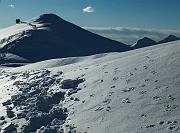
144,42
170,38
49,36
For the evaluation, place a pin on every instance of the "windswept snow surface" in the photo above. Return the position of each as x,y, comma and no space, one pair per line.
130,92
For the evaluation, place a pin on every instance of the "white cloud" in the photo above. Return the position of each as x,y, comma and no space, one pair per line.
12,6
88,9
129,35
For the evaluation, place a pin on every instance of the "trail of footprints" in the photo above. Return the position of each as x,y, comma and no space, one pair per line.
170,125
34,86
168,107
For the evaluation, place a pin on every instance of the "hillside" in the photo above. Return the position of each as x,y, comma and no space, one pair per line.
130,92
49,36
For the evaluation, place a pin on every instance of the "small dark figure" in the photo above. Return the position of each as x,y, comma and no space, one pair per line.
18,21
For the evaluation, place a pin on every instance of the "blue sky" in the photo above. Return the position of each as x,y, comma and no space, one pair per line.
161,16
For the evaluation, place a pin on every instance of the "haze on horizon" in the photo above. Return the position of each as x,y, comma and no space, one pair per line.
124,21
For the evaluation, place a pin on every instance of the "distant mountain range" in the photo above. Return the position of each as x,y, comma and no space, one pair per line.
145,42
169,39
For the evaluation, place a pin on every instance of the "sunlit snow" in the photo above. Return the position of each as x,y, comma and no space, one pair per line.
130,92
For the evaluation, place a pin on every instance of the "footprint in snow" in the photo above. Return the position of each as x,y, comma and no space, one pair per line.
131,74
153,72
108,108
143,115
151,60
173,125
143,92
126,100
115,78
170,97
110,93
116,71
150,126
157,98
146,80
143,85
128,81
157,87
128,89
107,101
98,81
99,109
170,108
92,95
145,67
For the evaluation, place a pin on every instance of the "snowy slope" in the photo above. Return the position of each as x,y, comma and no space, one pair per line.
144,42
54,38
130,92
18,31
8,59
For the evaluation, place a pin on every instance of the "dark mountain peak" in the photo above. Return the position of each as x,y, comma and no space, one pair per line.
144,42
170,38
62,39
47,18
145,38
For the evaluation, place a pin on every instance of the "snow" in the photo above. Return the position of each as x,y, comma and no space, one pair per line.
105,91
17,31
9,59
130,92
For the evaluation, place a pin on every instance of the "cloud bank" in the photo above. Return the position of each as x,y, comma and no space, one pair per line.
129,35
12,6
88,9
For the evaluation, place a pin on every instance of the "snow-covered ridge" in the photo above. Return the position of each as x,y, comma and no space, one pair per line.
131,92
49,36
20,28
